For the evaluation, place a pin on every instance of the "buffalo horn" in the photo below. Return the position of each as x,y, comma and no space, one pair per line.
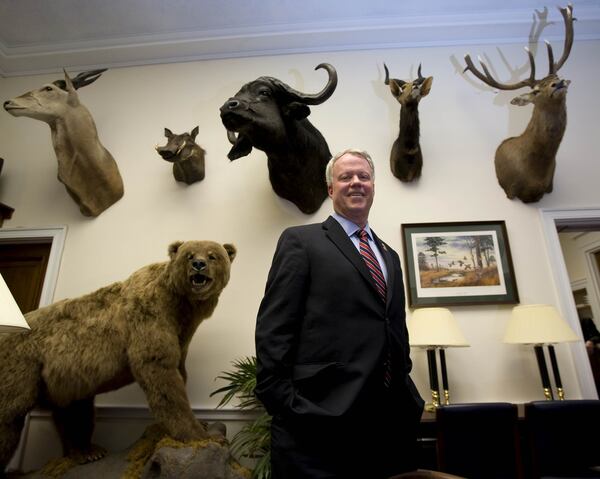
317,98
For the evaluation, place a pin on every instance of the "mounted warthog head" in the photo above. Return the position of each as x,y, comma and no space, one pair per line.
269,115
406,158
525,164
88,171
187,157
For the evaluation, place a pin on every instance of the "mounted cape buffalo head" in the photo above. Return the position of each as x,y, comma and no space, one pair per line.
269,115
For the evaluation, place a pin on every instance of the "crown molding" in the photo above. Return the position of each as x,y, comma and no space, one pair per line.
394,32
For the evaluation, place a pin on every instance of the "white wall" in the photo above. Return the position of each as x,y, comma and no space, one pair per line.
461,126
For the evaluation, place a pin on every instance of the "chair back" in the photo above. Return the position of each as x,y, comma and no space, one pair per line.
479,440
564,438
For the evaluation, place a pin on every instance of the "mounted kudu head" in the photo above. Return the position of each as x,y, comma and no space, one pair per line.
187,157
406,158
525,164
88,171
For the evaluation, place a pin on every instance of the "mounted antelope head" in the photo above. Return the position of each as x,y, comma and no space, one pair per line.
88,171
525,164
187,157
406,158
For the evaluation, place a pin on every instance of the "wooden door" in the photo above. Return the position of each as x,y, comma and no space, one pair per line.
23,267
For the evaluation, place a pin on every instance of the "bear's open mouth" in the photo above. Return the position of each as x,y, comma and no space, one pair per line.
199,280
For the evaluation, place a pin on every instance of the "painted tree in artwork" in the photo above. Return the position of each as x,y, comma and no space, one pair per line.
487,248
470,244
423,266
478,251
434,243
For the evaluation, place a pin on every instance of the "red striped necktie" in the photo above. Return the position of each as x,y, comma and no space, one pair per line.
371,260
375,269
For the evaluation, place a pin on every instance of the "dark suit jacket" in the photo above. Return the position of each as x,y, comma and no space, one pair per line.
322,328
590,332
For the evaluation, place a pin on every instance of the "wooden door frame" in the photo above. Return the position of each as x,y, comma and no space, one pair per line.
56,234
551,218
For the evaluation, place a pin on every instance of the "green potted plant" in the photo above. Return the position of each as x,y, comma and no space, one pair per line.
254,439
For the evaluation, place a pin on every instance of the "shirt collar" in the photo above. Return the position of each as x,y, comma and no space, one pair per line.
350,227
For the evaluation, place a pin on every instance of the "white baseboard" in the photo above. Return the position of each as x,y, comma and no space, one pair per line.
116,429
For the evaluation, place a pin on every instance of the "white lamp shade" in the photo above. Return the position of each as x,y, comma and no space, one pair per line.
434,327
537,324
11,318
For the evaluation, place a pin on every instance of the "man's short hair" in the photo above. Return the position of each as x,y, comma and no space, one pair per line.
354,151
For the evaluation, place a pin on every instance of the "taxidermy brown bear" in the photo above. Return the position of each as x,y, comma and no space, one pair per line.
137,330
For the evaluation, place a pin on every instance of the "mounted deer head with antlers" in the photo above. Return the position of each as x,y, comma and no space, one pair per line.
406,158
525,164
88,171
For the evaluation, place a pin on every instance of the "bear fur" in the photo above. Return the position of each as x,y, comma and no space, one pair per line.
137,330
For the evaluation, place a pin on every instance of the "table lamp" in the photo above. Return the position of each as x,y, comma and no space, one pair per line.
539,325
11,318
435,329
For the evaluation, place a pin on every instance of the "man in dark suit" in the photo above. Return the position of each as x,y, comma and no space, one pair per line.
332,344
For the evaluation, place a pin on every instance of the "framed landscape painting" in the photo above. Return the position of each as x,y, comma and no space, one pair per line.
466,263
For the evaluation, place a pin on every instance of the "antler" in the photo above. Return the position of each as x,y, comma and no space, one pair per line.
567,14
538,24
487,78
